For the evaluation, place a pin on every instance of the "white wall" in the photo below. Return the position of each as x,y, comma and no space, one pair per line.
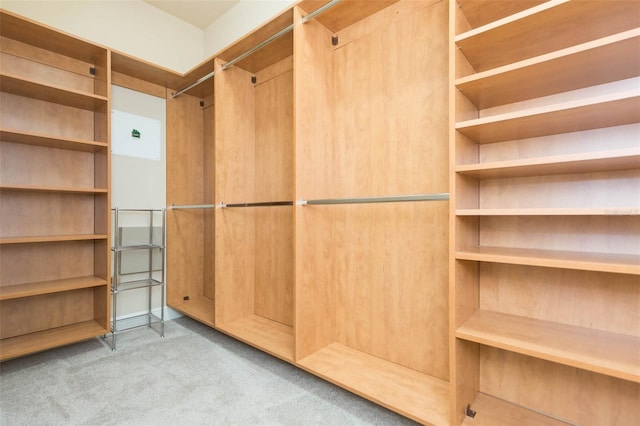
138,183
130,26
240,20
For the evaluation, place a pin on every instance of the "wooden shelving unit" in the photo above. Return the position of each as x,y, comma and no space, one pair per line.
371,279
54,188
545,204
254,164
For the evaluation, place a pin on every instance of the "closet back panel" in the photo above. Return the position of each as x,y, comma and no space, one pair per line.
28,263
575,395
255,164
185,228
374,277
37,313
208,198
46,118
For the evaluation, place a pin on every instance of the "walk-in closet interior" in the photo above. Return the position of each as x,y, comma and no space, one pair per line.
431,203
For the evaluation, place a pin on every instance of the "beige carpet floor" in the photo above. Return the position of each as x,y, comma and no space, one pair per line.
192,376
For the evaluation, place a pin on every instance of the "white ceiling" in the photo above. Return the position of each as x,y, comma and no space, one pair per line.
200,13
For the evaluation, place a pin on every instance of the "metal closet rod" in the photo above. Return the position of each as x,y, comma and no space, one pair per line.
192,206
387,199
260,204
259,46
231,205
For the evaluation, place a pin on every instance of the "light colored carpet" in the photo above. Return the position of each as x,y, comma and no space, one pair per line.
193,376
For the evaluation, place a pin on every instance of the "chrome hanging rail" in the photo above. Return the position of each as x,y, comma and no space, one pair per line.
368,200
261,204
319,10
200,80
259,46
191,206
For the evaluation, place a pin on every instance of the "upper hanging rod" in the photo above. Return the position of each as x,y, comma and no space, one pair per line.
319,10
262,204
200,80
388,199
259,46
192,206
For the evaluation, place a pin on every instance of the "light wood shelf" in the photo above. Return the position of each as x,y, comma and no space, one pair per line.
597,62
65,189
603,352
597,262
42,340
199,308
609,211
517,36
16,27
589,162
614,109
52,238
492,411
46,287
49,93
409,392
270,336
483,12
40,139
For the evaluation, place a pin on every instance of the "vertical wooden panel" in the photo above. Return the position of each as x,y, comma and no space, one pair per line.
208,198
234,182
577,396
393,300
184,186
274,263
37,313
274,138
391,106
313,91
27,263
235,264
235,136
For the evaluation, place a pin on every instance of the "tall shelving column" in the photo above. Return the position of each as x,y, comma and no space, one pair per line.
371,289
254,190
54,188
545,218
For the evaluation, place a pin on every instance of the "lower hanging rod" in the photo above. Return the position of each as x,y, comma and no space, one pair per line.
191,206
369,200
262,204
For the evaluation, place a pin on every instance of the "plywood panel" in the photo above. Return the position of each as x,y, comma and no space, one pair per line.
602,301
45,117
320,267
274,138
614,234
235,136
184,186
616,189
208,198
36,214
235,263
39,71
26,263
314,141
31,314
274,263
392,301
575,395
33,165
391,115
